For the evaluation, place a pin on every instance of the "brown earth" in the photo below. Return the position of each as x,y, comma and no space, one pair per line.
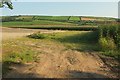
55,61
10,33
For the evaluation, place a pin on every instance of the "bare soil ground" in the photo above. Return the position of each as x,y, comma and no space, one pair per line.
55,61
10,33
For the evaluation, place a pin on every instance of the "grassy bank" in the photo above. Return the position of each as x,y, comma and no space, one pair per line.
16,52
76,40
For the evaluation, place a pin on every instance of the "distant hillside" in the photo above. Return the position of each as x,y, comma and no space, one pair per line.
58,18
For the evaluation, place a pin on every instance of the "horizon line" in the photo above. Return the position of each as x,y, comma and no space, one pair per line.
58,15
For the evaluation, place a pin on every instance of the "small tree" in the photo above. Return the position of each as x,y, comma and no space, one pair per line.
7,3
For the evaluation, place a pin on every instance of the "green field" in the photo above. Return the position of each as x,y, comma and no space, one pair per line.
69,21
36,22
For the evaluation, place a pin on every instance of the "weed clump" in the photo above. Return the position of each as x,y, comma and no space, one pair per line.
37,36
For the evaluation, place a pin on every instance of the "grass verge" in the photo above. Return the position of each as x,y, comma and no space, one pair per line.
16,52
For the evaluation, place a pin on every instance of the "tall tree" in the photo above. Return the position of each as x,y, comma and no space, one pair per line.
7,3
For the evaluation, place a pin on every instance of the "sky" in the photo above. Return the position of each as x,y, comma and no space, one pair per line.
66,0
64,8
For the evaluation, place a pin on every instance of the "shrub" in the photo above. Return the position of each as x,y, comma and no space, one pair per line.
37,36
111,32
107,44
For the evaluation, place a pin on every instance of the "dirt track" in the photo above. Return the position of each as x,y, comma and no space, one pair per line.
57,62
61,63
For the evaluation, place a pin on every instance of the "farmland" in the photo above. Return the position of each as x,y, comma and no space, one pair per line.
63,46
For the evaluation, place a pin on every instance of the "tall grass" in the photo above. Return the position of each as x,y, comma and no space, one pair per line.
109,39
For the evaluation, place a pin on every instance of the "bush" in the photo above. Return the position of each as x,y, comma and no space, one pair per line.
109,40
111,32
37,36
107,44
